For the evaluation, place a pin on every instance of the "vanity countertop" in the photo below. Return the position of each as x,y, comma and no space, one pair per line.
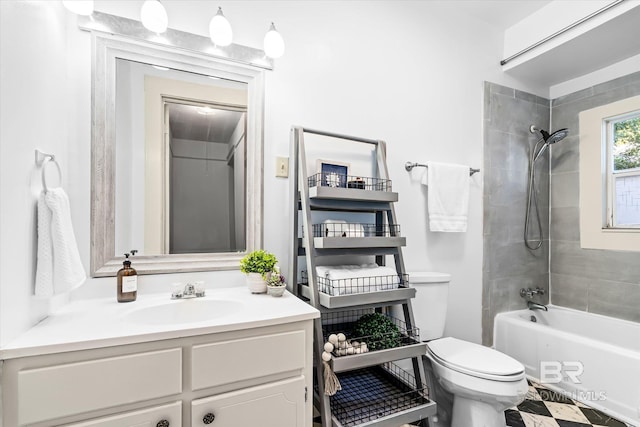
96,323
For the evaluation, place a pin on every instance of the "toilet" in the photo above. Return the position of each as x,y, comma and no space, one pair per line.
472,384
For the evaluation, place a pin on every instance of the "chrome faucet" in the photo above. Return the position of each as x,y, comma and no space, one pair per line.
189,291
529,293
535,306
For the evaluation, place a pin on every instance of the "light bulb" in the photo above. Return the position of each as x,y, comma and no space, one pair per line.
206,111
220,29
273,43
79,7
154,16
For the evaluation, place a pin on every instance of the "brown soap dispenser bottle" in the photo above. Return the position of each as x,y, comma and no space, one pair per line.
127,280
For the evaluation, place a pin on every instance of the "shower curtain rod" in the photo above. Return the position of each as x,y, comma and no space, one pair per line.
562,31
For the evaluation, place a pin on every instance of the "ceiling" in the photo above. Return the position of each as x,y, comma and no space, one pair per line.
602,46
502,13
187,123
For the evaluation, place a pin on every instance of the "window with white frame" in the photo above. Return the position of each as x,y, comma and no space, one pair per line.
622,145
610,176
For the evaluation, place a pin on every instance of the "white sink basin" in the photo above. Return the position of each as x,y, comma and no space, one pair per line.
183,311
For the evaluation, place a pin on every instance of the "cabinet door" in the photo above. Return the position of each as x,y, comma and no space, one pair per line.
169,415
278,404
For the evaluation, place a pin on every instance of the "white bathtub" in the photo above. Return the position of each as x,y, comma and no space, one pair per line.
608,349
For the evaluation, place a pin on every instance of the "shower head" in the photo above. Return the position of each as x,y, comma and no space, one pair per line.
556,136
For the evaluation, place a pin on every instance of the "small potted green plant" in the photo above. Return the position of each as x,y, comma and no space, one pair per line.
276,283
257,265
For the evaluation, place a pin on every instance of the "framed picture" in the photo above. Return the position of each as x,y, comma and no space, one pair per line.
332,173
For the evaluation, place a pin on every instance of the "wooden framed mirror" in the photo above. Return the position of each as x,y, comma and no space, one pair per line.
125,143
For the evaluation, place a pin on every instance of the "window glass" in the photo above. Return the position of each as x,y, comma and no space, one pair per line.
624,171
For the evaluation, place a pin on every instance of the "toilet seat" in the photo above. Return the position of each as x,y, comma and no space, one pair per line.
475,360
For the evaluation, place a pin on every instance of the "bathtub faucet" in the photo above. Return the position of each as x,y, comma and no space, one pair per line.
535,306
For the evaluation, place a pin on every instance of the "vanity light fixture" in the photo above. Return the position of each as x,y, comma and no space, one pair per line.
79,7
220,29
273,43
154,16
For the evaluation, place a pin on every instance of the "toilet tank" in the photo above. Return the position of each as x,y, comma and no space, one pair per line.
430,303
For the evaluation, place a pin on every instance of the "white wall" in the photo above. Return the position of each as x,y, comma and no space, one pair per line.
410,73
33,114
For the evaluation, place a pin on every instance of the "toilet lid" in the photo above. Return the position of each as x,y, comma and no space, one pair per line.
475,359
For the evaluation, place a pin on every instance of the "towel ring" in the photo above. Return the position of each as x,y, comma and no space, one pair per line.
42,159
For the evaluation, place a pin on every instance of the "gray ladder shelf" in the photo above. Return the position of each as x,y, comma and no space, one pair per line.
375,392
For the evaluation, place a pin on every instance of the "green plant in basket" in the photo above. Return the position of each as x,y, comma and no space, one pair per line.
258,262
380,331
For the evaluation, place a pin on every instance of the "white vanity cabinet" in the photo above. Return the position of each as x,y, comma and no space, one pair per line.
247,377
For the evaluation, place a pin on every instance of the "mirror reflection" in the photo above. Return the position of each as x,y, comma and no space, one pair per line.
180,161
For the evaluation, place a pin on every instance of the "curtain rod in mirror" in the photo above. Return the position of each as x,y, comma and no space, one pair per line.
117,25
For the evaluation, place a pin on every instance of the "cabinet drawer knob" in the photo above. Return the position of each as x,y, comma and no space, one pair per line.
163,423
208,419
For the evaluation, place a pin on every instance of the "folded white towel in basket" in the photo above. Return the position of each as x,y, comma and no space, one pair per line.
448,196
353,279
59,267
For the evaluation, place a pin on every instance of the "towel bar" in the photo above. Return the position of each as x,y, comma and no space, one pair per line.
410,165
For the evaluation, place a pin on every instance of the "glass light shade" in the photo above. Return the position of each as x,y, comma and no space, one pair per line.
154,16
220,29
79,7
273,43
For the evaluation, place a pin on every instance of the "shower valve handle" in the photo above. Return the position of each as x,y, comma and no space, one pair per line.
529,293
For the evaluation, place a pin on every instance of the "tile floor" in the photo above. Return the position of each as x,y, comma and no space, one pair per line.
545,408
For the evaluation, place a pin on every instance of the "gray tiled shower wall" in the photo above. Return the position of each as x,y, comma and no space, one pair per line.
508,264
598,281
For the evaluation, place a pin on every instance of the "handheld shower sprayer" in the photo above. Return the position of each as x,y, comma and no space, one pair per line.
546,140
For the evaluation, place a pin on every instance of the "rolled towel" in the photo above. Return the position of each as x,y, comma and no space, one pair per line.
350,279
355,230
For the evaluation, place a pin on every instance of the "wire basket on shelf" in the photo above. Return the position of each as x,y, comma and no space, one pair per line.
390,333
358,285
372,393
346,229
348,181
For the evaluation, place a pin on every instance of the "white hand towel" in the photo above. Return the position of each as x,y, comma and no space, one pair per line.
59,268
448,196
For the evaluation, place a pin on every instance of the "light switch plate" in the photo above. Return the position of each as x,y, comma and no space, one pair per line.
282,167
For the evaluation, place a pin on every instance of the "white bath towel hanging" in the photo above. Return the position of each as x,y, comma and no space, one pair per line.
59,268
447,196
